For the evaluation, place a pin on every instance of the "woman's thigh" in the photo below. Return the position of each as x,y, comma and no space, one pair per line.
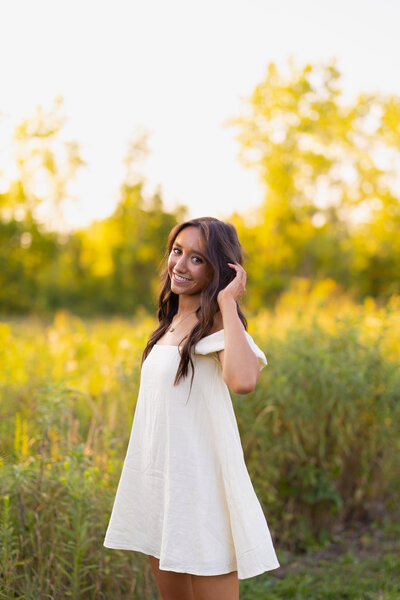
171,585
184,586
216,587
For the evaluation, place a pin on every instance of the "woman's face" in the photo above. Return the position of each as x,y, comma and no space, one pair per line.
188,268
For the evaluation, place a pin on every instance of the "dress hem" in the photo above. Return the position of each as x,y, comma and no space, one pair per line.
194,570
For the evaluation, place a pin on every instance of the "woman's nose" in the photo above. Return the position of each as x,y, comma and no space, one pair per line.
181,263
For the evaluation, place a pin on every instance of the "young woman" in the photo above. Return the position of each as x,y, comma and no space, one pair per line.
185,497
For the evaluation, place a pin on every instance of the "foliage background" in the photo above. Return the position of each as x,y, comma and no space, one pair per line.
331,178
321,432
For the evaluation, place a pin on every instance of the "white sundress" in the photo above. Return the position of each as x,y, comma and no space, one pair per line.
185,495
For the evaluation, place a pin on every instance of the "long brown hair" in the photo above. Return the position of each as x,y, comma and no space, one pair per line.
220,246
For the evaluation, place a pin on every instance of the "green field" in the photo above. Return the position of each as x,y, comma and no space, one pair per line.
320,436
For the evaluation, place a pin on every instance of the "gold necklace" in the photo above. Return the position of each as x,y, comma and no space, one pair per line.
181,321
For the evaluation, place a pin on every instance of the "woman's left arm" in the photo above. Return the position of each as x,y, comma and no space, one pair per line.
240,366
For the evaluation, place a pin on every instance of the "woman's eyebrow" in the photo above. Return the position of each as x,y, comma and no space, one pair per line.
190,249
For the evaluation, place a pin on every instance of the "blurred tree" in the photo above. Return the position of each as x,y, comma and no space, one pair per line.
134,238
329,173
46,165
112,265
26,258
31,208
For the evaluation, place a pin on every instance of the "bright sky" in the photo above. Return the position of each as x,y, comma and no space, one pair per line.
178,69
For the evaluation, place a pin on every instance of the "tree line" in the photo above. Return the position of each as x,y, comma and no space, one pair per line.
330,175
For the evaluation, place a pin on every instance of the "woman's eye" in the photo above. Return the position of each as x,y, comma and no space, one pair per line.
194,258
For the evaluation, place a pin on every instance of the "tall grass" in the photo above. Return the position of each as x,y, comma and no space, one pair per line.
320,435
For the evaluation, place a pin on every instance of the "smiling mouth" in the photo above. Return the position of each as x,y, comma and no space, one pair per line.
179,279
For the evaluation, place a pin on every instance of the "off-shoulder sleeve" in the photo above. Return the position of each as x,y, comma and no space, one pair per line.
211,343
216,342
